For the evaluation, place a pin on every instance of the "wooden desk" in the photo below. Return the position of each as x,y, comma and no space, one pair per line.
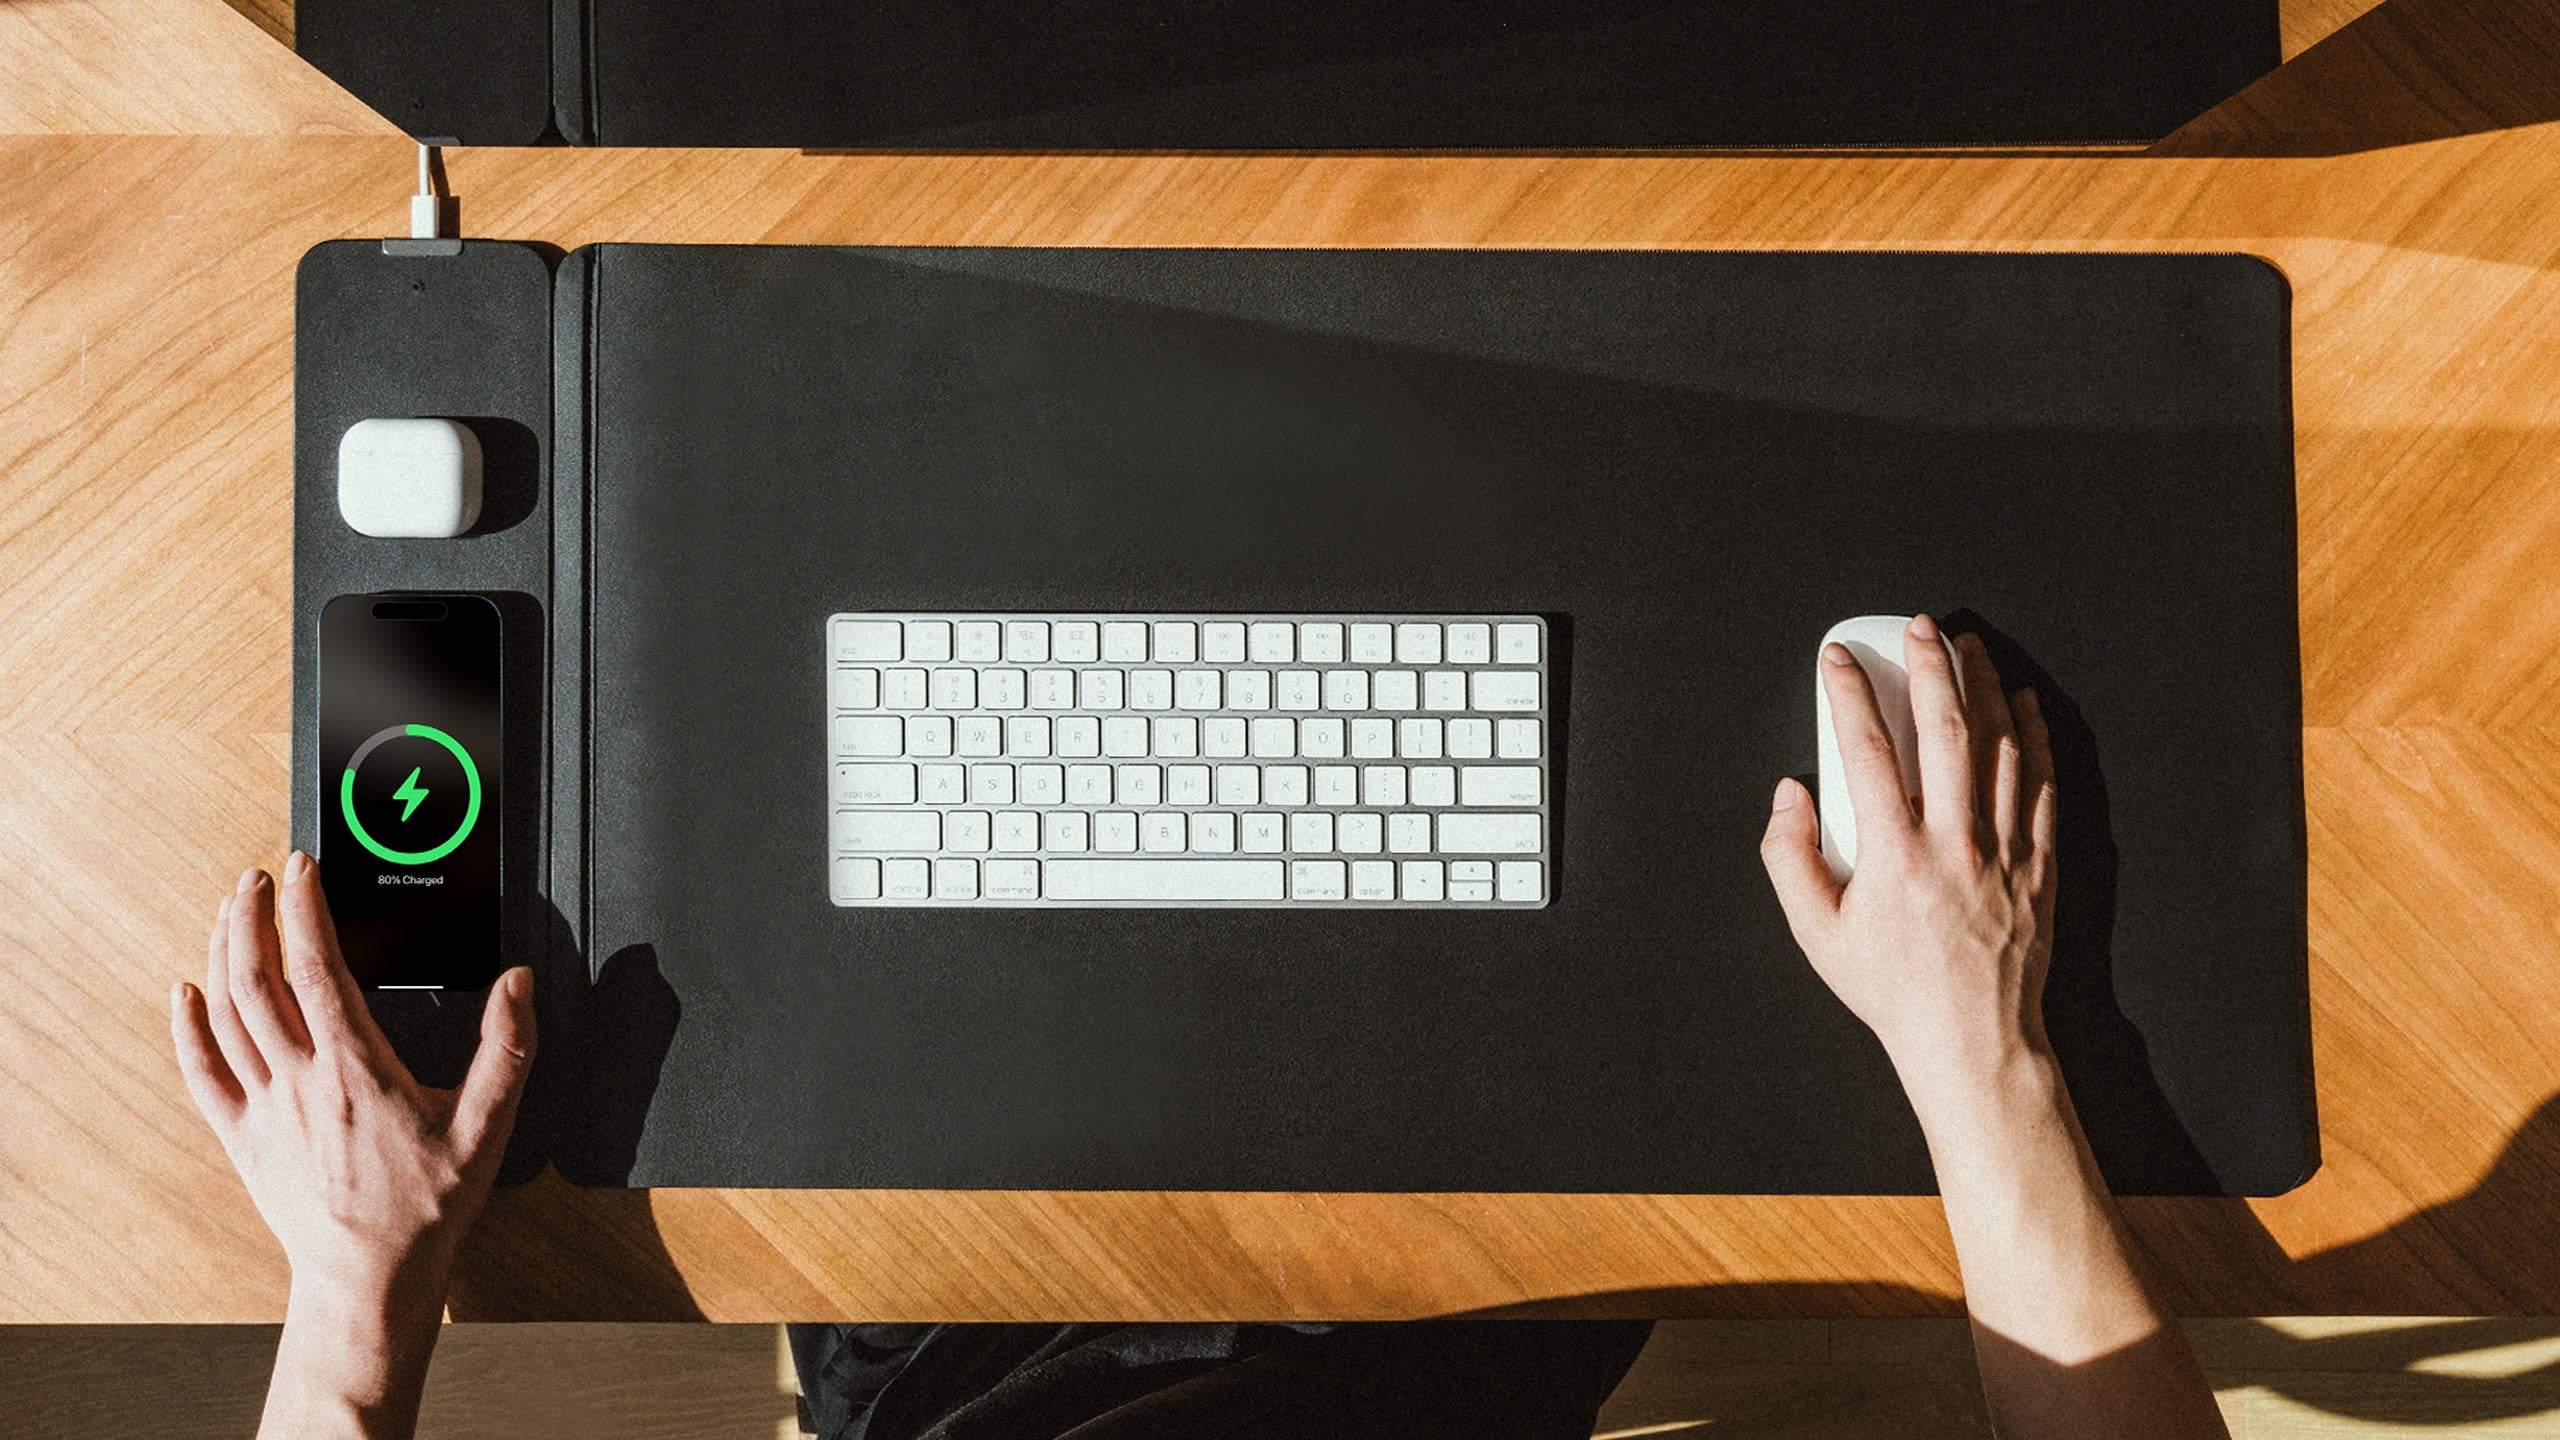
145,408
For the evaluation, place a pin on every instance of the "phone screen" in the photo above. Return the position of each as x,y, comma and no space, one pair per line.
409,787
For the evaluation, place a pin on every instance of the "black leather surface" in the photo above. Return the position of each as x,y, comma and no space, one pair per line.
1319,73
1692,463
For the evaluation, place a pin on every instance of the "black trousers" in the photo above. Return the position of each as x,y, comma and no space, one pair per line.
1478,1379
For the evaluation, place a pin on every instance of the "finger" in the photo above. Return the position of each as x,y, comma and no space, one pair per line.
1947,803
228,1033
1995,748
2036,786
1791,850
331,1004
258,992
209,1079
485,1110
1866,750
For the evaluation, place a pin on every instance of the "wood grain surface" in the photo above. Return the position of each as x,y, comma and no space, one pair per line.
145,417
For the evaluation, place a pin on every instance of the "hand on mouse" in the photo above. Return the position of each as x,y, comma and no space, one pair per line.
1939,941
367,1178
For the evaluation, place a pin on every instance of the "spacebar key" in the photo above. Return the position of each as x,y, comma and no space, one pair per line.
1165,879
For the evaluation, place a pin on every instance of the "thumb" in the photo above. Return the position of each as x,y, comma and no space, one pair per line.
486,1108
1791,851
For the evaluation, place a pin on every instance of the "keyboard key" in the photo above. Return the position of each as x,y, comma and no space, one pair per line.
1346,689
1470,739
1515,644
1471,870
1470,643
1470,889
1318,879
1320,738
929,735
1373,880
1418,643
955,688
1027,736
903,689
1177,642
1026,642
1337,785
1271,642
1248,689
1444,690
1275,738
867,641
1239,784
1098,689
976,642
1017,831
1263,833
1074,642
1394,690
1196,689
875,784
1320,643
1150,689
1124,642
1174,737
1467,833
1062,832
955,879
941,784
1359,834
1042,784
1089,785
855,879
1186,784
1053,690
1213,832
1124,736
1311,832
1000,689
1418,739
895,830
1162,831
906,880
1372,644
1503,690
1409,834
1222,642
928,641
1139,784
1166,880
1373,739
1298,690
965,830
864,736
989,785
1433,785
1470,880
855,689
1079,735
1284,785
1513,786
1382,785
1223,738
977,737
1013,879
1521,881
1113,830
1422,879
1515,739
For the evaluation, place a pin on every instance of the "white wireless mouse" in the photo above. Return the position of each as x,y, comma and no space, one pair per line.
1876,642
409,479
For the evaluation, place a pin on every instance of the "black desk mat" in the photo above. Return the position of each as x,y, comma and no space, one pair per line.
1432,74
1692,463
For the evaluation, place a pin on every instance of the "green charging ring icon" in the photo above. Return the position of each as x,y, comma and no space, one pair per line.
470,810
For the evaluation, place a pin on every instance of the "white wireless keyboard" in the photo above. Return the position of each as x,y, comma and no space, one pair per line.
1188,760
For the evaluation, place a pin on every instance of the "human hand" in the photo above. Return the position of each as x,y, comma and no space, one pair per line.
1940,939
367,1178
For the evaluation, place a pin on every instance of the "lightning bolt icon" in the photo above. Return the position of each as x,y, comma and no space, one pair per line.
411,792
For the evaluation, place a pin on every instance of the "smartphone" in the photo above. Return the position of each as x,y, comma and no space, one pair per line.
410,780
